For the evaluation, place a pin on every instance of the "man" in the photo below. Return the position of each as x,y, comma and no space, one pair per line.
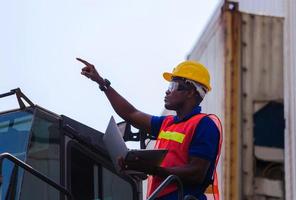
191,137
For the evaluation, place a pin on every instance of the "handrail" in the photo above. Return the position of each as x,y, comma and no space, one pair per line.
165,183
190,197
19,96
34,172
7,94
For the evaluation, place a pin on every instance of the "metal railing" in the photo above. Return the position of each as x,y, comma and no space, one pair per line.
190,197
31,170
20,97
165,183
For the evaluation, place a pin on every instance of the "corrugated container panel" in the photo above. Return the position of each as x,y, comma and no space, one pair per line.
202,45
213,58
209,50
263,47
290,99
262,79
262,7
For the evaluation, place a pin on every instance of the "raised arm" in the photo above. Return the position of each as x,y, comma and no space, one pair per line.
121,106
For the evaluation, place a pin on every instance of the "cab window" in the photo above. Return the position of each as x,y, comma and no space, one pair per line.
90,180
14,137
44,156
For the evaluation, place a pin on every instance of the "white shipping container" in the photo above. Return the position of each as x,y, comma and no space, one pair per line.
267,58
210,51
290,98
273,8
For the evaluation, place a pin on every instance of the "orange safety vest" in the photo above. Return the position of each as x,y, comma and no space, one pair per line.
177,138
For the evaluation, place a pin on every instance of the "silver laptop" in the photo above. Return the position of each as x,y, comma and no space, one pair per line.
117,148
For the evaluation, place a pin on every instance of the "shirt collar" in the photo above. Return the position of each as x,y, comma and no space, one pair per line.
196,110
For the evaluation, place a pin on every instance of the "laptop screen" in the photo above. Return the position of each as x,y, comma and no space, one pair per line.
117,148
114,143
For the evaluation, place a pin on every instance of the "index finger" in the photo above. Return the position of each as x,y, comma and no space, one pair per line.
84,62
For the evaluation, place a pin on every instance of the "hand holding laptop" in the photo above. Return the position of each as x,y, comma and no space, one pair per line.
125,160
137,164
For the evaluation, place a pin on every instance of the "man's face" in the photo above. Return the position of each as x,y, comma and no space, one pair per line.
176,94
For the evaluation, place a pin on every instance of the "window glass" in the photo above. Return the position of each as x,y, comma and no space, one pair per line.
115,188
34,188
14,136
43,156
91,181
82,175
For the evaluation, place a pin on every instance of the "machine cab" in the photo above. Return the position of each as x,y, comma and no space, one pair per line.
48,156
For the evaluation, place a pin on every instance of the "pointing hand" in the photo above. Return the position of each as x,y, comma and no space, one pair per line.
90,71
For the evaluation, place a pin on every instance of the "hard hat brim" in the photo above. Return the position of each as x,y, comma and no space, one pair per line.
167,76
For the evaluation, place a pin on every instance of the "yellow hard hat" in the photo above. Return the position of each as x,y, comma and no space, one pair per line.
191,70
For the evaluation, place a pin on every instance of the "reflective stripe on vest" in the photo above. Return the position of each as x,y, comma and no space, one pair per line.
174,136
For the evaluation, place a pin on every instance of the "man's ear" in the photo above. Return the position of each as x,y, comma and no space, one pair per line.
195,95
192,94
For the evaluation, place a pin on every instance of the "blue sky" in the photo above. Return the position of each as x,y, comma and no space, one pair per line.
130,42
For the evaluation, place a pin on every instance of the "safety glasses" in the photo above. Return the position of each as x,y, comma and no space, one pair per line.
176,86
